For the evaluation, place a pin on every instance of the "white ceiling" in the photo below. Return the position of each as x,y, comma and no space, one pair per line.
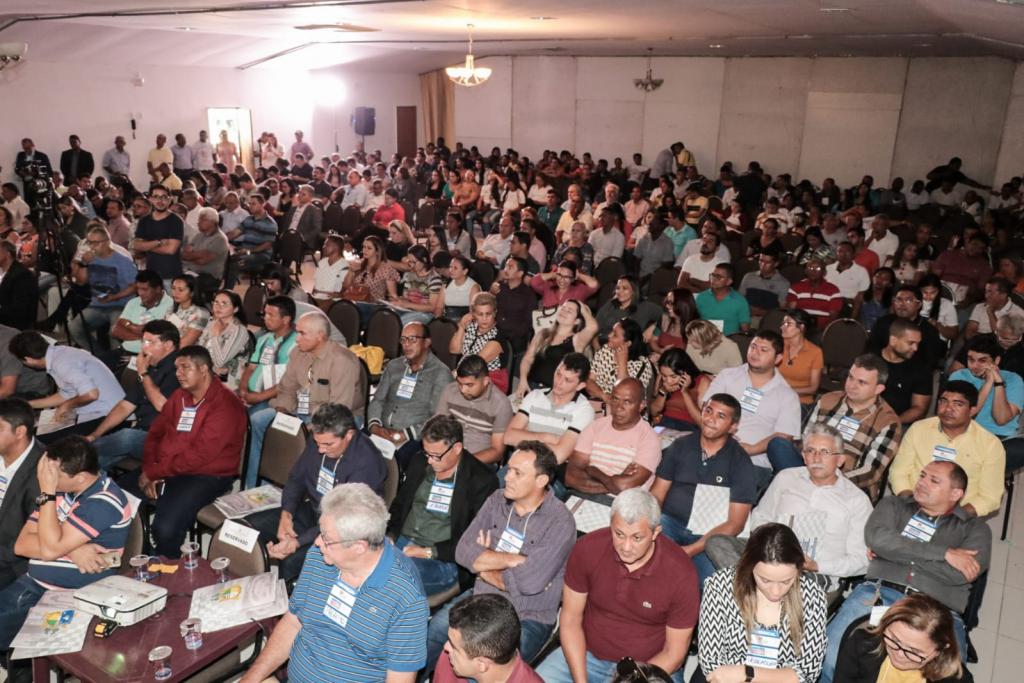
414,36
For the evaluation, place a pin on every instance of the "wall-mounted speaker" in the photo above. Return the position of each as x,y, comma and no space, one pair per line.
364,120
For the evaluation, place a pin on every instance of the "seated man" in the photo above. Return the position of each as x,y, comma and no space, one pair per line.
480,407
695,271
771,409
206,251
617,452
908,388
816,295
709,458
851,278
328,634
906,305
157,380
152,303
443,490
871,429
1000,394
86,388
598,626
253,241
924,542
517,547
82,515
558,415
765,289
266,366
336,453
997,304
112,281
825,510
723,305
319,371
20,451
330,273
483,644
409,389
953,435
192,452
16,378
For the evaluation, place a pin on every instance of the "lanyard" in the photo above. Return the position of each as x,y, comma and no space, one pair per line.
508,522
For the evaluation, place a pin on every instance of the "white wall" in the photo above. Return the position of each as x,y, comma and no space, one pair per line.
843,117
48,101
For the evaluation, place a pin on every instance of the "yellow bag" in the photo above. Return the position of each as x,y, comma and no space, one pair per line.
372,355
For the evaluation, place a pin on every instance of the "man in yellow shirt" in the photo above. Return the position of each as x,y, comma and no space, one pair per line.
953,435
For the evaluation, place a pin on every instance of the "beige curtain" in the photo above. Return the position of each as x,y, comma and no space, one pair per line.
437,93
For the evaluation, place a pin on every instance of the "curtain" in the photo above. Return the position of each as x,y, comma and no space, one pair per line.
437,93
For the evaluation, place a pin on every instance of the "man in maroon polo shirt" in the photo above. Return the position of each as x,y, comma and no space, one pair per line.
629,591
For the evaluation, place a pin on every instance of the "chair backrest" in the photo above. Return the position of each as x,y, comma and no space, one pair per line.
289,248
350,220
129,377
136,538
344,315
483,273
793,272
441,332
383,330
742,340
366,378
243,563
662,281
842,341
791,242
281,451
392,482
609,270
772,320
252,304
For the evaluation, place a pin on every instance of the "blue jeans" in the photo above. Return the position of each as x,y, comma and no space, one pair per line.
782,454
437,576
116,446
15,602
305,518
677,531
532,634
554,669
857,606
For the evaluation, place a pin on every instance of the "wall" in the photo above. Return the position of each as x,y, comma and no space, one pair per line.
810,117
48,101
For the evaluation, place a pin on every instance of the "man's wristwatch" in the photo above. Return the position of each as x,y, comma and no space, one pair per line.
44,498
999,384
749,671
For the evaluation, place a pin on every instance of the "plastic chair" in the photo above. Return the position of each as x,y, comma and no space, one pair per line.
252,304
344,315
384,329
441,332
483,273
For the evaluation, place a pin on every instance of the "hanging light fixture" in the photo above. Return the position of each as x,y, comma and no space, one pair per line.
468,74
648,84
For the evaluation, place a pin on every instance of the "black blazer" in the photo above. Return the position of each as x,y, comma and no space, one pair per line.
309,225
474,483
19,503
859,663
21,161
86,165
19,297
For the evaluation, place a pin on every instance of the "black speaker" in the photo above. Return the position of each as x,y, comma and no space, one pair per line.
364,120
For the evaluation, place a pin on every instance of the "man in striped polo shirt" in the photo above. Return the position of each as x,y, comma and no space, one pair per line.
71,540
358,612
816,295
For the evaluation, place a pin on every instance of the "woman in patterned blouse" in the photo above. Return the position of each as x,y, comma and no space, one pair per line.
188,316
623,356
764,619
478,335
226,338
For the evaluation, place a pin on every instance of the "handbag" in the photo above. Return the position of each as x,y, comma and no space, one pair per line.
373,356
356,293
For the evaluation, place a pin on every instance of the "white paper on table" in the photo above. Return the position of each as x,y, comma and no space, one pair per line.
242,503
43,633
224,605
271,375
386,447
710,508
47,424
590,515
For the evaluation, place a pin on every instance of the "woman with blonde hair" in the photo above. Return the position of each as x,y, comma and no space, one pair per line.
709,349
764,619
573,330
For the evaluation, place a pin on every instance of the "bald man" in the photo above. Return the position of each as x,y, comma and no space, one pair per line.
619,451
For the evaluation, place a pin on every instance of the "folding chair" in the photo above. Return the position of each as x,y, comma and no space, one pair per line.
384,329
344,315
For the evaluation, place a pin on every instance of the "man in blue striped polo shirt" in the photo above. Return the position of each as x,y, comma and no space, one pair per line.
358,612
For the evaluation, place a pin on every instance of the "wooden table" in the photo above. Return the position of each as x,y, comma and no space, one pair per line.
124,655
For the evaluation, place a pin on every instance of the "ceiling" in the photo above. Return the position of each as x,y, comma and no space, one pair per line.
413,36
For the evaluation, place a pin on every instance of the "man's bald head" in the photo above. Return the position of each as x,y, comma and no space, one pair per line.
627,402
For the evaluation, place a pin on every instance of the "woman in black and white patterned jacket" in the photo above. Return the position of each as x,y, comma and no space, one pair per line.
764,619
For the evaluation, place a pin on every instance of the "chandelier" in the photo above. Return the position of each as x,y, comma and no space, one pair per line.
468,74
648,84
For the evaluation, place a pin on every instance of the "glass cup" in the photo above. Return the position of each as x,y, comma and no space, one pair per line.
190,555
138,563
161,659
220,565
192,632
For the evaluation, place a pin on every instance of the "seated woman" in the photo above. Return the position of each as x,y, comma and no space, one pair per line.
709,349
875,301
370,279
909,268
573,329
562,284
677,392
764,619
625,303
802,361
186,314
913,642
814,247
670,331
227,338
400,239
453,300
937,309
478,335
421,288
624,355
457,238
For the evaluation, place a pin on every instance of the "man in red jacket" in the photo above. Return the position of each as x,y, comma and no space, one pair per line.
192,451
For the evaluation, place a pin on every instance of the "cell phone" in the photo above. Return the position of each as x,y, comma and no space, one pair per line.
112,558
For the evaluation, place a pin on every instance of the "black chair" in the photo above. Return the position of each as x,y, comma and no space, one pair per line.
662,281
609,270
351,219
742,340
772,320
291,250
842,341
441,332
344,315
384,329
252,304
793,272
483,273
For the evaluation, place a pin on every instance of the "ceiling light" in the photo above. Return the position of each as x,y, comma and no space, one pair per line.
648,84
469,74
185,28
543,18
12,54
715,46
833,9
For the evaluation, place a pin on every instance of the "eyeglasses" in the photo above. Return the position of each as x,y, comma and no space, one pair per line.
628,670
436,458
819,452
906,300
95,241
912,655
410,339
328,544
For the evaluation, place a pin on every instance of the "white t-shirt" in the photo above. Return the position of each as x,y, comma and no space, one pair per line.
693,247
549,419
607,244
851,281
7,473
947,312
979,314
329,278
698,269
884,247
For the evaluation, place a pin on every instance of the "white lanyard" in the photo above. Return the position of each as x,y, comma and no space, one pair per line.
325,477
441,493
511,541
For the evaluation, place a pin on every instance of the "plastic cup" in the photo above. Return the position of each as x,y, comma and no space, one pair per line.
160,657
220,565
192,632
138,563
190,555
